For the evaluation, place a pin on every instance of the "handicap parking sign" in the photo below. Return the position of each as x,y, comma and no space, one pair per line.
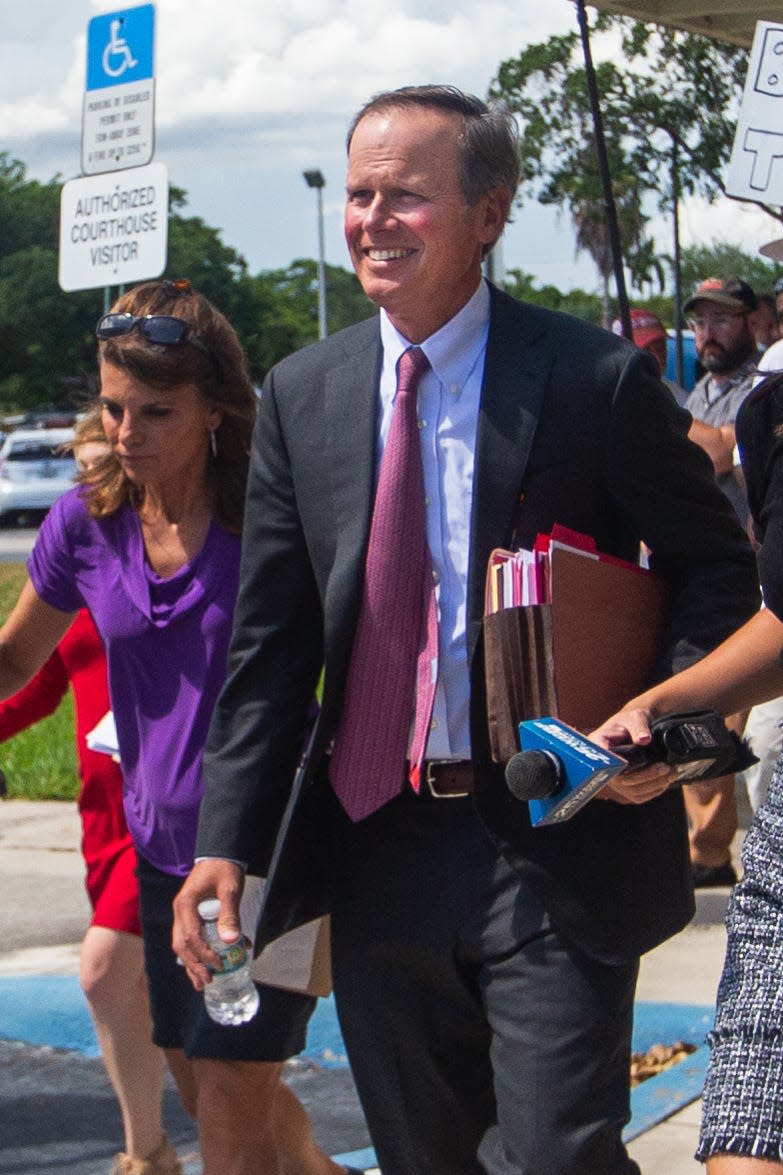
118,120
120,47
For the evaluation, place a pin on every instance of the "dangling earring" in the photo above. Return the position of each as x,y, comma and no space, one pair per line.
213,442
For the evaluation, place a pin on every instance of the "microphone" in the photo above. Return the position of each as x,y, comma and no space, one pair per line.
534,775
558,770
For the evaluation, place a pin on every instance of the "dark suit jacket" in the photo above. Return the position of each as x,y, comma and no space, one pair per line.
574,427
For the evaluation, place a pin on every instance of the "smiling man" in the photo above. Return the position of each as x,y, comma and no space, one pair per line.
415,241
484,970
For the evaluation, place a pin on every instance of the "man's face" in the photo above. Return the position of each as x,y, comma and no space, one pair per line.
723,337
415,244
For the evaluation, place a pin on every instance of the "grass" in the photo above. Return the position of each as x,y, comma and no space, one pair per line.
39,763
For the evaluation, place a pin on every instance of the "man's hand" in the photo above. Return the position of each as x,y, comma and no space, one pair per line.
634,785
212,878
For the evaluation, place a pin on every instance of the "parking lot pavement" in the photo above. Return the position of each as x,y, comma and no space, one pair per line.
16,543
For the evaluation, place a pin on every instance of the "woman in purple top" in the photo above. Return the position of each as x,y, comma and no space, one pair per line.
150,544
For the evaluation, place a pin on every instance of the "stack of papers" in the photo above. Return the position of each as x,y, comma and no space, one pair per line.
569,633
518,578
103,737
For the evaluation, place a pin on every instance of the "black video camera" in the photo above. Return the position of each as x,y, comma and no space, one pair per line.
698,745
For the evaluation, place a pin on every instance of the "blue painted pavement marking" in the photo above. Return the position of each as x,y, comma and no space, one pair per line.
663,1095
47,1009
50,1010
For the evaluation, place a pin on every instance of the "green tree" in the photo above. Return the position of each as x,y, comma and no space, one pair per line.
722,260
668,101
586,201
290,300
42,333
577,302
47,339
28,209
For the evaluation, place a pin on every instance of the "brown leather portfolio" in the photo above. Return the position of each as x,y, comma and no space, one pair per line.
578,658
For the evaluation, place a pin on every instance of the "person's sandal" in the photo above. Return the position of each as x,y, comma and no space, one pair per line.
163,1161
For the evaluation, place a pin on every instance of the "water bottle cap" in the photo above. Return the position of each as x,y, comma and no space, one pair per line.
208,910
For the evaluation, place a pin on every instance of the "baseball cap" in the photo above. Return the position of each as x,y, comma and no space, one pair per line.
725,291
645,327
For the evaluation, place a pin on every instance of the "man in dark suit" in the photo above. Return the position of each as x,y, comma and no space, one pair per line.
484,970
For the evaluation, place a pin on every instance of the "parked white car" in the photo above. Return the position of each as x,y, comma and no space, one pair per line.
34,472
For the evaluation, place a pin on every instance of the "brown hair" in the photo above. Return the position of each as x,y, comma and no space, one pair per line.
213,361
88,428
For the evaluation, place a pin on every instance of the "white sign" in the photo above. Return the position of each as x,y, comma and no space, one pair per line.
756,167
118,115
114,228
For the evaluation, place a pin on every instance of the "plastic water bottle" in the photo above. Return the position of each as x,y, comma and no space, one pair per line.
231,997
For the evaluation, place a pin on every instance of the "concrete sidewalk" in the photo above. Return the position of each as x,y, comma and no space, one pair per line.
58,1108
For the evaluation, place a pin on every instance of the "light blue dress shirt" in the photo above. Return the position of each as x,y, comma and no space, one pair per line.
448,403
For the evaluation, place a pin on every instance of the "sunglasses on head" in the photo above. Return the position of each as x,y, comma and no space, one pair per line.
163,329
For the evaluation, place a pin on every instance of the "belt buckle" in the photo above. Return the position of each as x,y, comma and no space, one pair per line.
432,787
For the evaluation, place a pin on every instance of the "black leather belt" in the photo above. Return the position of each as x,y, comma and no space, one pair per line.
447,778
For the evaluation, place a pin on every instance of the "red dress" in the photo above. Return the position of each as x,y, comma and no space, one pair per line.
107,847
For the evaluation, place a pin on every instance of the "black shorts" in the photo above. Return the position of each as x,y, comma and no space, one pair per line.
180,1020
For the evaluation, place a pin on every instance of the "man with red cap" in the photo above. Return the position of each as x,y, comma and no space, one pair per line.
648,332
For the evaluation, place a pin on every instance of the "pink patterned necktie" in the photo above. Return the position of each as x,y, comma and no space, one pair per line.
395,648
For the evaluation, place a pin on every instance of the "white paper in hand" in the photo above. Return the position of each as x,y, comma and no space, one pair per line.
103,737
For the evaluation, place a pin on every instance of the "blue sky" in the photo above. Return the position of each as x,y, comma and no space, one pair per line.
250,94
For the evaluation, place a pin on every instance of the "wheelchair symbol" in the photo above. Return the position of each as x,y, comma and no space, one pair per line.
117,57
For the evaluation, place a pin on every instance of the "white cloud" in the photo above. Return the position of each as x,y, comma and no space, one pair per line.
741,223
249,94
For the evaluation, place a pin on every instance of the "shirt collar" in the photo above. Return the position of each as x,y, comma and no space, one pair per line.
454,350
717,387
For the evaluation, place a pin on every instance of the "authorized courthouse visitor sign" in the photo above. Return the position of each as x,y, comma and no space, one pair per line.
114,228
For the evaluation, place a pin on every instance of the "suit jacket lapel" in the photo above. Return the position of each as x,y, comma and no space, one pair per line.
351,411
519,358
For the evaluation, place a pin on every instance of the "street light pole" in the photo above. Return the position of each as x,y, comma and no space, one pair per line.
315,179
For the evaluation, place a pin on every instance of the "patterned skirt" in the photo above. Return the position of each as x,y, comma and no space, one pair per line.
743,1094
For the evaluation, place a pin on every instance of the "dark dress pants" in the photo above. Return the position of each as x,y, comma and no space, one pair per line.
480,1041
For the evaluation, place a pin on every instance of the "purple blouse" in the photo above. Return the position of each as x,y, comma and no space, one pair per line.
166,645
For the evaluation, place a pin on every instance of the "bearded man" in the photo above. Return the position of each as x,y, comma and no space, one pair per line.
719,315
